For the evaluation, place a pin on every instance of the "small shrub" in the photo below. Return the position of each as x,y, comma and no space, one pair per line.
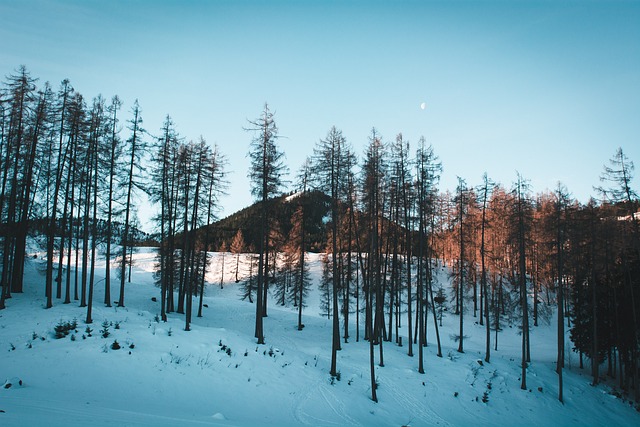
175,358
104,332
73,337
88,331
116,325
115,345
63,328
169,332
132,346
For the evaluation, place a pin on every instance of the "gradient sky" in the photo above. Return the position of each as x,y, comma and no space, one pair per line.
546,88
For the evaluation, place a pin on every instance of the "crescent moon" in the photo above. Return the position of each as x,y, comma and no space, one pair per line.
423,105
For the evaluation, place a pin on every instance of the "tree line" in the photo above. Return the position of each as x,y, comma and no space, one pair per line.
512,255
71,170
71,174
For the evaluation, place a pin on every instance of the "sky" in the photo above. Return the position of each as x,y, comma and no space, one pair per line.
547,89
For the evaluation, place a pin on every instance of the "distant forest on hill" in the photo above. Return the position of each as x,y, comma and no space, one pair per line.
70,168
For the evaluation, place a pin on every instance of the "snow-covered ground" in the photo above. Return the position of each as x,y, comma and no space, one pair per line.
217,375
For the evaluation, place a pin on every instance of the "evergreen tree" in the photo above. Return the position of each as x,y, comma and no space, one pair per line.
265,173
329,177
521,223
237,247
114,152
134,149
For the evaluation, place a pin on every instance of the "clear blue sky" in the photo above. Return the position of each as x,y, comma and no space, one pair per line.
546,88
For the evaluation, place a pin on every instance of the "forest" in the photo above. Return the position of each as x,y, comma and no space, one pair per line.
71,168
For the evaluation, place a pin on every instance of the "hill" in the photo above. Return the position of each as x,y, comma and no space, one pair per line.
247,220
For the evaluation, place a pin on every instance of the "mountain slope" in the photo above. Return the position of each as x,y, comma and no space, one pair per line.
217,375
247,220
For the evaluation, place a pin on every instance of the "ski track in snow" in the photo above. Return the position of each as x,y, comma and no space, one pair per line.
412,405
333,402
60,413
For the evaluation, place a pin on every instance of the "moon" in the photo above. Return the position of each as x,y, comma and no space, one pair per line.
423,105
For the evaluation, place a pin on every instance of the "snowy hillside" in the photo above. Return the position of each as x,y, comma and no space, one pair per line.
217,375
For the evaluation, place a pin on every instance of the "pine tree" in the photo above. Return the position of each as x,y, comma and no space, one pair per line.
265,173
215,185
330,178
297,238
462,208
374,174
135,148
237,247
20,96
114,152
326,283
428,170
559,218
618,176
521,221
485,191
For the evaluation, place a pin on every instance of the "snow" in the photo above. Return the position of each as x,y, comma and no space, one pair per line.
217,375
293,196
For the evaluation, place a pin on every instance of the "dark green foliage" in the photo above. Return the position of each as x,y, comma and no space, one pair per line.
282,208
326,284
249,285
104,332
63,328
